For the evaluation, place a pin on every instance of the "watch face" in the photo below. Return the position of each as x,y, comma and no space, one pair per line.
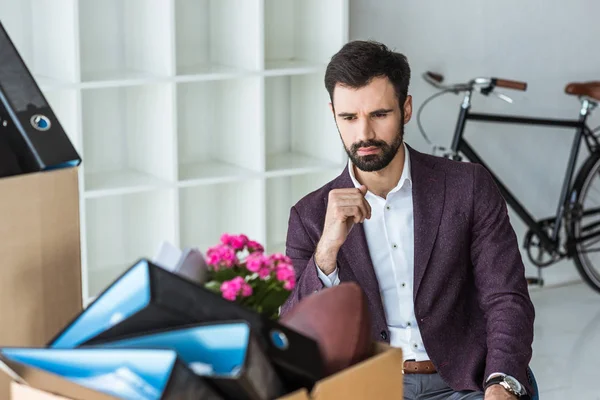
513,384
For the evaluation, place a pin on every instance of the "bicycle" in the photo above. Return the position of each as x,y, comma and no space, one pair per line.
544,236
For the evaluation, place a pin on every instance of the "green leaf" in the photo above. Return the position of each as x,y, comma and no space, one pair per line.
225,274
275,299
214,286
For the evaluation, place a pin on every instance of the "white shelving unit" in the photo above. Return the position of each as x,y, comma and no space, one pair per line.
193,117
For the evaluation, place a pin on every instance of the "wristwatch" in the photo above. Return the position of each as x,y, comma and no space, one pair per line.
509,383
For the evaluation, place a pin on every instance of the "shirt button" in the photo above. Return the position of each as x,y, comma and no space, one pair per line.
384,335
395,246
416,346
409,324
403,284
387,207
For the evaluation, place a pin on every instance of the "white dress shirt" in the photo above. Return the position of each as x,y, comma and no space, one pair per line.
390,238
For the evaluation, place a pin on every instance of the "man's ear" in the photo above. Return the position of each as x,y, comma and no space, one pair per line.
408,109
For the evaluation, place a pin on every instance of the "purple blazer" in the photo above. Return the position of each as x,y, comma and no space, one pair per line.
470,292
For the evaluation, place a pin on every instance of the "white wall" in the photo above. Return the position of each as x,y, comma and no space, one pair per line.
544,42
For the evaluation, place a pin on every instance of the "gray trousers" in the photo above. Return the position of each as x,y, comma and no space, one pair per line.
432,387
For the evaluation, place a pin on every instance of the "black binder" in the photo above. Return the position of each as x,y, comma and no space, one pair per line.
147,298
29,129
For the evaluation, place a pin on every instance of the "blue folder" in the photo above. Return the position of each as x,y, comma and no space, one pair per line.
130,374
226,353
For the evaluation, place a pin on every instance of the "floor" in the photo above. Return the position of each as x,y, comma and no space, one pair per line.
566,347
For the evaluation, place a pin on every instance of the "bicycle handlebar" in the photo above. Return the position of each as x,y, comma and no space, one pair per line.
509,84
435,76
483,84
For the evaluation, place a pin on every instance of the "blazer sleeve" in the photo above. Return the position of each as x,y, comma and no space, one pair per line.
300,248
500,281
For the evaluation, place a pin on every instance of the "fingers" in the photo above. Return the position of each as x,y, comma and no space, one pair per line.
360,202
351,212
351,197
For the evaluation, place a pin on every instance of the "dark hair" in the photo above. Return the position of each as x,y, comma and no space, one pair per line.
358,62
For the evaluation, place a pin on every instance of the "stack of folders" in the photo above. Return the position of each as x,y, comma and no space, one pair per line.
157,334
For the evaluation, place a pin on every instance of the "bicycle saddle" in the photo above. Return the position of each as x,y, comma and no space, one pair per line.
590,89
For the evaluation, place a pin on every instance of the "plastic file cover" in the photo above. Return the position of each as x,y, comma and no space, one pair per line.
226,353
129,374
120,301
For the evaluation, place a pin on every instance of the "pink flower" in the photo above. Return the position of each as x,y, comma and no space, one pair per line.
264,272
237,283
228,291
255,247
254,262
246,290
285,274
221,256
278,257
289,285
226,239
231,289
236,242
239,242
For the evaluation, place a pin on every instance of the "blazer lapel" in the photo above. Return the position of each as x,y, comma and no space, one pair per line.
355,254
428,204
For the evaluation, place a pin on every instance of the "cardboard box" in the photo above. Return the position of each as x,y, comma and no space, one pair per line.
40,277
379,377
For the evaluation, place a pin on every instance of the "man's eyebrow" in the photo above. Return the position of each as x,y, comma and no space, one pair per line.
382,111
378,111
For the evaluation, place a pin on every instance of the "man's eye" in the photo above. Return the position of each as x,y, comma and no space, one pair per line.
380,115
348,118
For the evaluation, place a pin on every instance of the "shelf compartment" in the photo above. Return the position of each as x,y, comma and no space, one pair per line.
303,33
122,229
217,36
208,211
128,138
301,135
45,34
124,40
281,194
219,130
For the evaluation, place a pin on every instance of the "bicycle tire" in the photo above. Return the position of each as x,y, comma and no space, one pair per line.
581,186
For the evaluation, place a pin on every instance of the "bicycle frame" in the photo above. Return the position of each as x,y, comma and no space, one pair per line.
460,145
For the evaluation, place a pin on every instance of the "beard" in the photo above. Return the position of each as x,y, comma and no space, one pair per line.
376,162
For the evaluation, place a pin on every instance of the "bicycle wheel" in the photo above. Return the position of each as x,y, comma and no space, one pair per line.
585,221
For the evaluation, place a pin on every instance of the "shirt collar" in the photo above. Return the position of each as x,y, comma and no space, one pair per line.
406,177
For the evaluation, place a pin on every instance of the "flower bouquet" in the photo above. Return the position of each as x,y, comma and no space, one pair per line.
240,271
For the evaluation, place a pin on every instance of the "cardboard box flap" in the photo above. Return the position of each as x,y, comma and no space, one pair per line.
378,377
50,383
23,392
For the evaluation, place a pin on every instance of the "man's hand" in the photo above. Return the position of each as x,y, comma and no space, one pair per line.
345,208
497,392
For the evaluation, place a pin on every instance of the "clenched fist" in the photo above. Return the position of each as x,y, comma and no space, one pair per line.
345,208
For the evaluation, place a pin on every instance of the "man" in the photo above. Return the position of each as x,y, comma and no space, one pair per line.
428,239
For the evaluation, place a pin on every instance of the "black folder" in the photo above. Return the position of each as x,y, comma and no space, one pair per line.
147,297
31,136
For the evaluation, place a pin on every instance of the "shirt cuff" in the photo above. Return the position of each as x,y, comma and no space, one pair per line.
494,374
328,280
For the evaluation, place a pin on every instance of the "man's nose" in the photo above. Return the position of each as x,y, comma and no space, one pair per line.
365,129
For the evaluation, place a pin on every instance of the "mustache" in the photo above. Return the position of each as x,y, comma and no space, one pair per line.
368,143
